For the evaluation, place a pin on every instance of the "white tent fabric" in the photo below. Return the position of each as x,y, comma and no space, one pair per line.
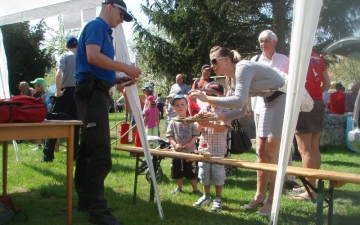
72,20
4,77
121,50
305,17
24,10
134,101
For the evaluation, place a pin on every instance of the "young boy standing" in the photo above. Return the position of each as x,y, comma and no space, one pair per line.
213,139
182,137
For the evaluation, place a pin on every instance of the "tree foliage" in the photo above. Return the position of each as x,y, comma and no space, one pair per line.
345,71
56,44
26,58
185,30
58,36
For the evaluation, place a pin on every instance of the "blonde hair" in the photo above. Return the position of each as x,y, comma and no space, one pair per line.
234,55
24,88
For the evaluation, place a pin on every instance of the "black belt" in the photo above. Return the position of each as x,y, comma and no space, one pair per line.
91,80
273,96
99,84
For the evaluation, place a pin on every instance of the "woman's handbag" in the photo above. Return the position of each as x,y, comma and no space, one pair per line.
239,141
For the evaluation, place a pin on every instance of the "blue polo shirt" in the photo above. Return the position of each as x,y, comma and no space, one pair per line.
96,32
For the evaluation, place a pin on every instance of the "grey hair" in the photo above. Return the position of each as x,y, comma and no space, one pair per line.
268,34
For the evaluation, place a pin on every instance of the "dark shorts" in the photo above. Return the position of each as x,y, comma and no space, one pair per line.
180,169
313,121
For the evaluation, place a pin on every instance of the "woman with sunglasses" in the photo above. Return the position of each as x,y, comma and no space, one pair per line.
252,79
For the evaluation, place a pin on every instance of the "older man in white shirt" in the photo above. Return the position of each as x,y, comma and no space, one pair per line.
267,41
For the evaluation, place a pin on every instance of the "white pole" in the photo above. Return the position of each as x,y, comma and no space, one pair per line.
133,97
4,75
306,15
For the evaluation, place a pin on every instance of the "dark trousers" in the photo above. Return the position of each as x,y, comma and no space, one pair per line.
93,161
64,108
296,149
160,107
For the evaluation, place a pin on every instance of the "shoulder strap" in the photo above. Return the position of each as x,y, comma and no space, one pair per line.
257,58
197,83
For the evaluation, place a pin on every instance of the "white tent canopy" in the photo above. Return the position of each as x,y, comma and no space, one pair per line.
23,10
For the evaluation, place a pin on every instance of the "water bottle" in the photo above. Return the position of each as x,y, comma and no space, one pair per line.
203,144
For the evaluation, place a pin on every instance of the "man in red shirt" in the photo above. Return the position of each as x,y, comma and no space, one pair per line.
201,82
337,100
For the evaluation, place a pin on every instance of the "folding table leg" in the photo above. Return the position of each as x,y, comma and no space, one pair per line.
331,207
320,203
136,176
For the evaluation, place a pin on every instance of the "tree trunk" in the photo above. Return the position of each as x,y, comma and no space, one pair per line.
279,24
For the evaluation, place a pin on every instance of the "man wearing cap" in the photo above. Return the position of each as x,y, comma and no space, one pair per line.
95,75
64,101
201,82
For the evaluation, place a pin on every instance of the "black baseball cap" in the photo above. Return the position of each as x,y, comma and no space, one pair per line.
214,87
121,5
205,67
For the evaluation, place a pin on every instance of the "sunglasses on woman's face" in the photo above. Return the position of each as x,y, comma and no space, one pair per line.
214,61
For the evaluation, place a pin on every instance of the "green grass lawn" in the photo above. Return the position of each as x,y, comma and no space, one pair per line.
39,190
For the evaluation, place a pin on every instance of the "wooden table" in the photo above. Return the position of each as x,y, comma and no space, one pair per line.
42,130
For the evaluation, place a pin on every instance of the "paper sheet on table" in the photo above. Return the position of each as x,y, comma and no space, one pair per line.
133,98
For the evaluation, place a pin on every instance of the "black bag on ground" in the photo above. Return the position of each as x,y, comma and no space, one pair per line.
240,142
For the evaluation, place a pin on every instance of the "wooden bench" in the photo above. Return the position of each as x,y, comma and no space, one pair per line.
336,179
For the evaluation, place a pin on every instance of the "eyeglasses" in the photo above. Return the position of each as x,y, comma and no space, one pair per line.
122,15
214,61
214,95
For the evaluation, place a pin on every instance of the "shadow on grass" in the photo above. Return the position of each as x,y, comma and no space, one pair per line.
341,163
177,213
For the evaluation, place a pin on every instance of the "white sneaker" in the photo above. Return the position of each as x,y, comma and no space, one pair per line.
203,201
38,148
217,204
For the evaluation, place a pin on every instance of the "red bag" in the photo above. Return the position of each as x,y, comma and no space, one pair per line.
22,108
7,200
9,210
